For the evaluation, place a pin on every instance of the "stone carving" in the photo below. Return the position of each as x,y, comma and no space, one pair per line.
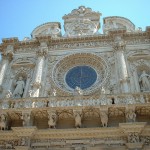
23,141
104,118
54,92
19,89
8,94
144,81
26,119
42,51
103,90
133,137
3,122
78,91
52,116
130,115
78,118
119,43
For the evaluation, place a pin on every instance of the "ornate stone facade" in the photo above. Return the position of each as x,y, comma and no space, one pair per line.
80,91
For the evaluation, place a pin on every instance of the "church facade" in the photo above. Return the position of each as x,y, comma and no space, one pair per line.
79,91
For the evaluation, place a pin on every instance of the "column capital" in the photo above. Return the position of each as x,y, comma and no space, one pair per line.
42,51
8,53
119,43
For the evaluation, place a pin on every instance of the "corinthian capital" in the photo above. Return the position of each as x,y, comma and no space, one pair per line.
42,51
119,43
8,53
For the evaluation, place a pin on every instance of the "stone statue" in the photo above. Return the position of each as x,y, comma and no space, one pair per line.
3,122
19,89
104,118
78,118
144,81
52,116
130,115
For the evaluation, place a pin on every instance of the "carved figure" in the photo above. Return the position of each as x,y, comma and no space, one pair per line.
104,118
78,118
20,85
23,141
26,119
3,122
130,116
8,94
103,90
52,119
78,90
54,92
144,81
119,43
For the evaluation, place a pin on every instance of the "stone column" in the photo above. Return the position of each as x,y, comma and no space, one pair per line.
41,54
119,46
6,58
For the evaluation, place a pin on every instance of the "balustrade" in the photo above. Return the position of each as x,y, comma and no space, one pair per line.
70,101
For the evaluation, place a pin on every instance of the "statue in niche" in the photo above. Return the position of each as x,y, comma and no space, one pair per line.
144,81
19,89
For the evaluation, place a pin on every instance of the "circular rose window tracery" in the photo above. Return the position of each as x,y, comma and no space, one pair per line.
85,70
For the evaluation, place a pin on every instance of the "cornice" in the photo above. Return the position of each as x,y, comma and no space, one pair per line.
81,133
100,40
8,135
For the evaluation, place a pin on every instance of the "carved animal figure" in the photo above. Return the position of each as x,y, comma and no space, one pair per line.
104,118
3,122
77,120
52,120
130,116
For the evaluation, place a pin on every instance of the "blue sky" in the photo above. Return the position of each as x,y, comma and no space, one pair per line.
19,17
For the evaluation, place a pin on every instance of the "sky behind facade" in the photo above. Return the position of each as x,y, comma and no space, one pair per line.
20,17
